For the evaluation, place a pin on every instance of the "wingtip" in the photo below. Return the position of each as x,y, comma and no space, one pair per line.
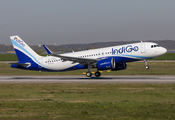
47,49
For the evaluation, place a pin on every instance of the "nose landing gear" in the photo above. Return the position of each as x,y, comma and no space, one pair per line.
146,66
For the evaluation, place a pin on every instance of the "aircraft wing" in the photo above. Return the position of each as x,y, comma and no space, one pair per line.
82,61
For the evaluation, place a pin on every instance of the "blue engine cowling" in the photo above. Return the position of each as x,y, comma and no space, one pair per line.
106,64
119,66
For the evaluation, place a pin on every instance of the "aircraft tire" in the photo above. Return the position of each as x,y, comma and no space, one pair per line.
88,74
97,74
147,67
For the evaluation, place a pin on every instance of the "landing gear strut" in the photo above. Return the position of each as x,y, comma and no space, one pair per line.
89,74
146,66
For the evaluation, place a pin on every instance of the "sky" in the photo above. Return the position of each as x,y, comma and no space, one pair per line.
86,21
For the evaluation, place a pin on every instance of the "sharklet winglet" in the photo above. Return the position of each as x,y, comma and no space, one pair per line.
47,49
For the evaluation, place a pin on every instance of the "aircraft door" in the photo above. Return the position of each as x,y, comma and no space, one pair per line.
142,48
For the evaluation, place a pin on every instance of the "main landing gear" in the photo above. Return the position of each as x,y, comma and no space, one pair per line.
89,74
146,66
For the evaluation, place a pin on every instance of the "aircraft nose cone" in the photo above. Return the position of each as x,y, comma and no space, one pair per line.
163,50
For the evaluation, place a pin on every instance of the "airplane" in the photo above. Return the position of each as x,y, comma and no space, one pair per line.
112,58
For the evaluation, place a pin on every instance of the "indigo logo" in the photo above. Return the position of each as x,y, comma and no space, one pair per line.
19,42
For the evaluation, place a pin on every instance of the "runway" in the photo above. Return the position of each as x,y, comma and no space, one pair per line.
84,79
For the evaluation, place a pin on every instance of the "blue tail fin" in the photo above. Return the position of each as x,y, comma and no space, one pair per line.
23,51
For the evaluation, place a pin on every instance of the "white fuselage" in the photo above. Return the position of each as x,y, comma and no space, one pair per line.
128,53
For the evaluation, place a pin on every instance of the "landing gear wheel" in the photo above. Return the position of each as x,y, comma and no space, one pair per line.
97,74
88,74
147,67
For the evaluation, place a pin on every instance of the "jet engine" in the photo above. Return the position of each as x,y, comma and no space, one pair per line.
120,66
106,64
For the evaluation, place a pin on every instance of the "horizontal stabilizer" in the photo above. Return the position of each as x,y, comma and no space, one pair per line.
21,64
47,49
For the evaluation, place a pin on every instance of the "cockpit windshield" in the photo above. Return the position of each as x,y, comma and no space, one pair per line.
153,46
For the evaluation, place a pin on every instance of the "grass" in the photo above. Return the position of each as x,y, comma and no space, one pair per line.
87,101
167,56
134,68
8,57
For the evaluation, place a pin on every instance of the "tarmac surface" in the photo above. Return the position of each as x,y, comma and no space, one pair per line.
84,79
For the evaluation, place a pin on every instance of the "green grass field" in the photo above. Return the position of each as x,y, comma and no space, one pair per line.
167,56
87,101
8,57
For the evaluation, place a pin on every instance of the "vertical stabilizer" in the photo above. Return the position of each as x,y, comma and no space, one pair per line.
23,51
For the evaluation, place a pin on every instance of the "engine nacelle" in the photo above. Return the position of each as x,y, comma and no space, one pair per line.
119,66
106,64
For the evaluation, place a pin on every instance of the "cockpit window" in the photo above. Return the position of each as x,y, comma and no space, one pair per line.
153,46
